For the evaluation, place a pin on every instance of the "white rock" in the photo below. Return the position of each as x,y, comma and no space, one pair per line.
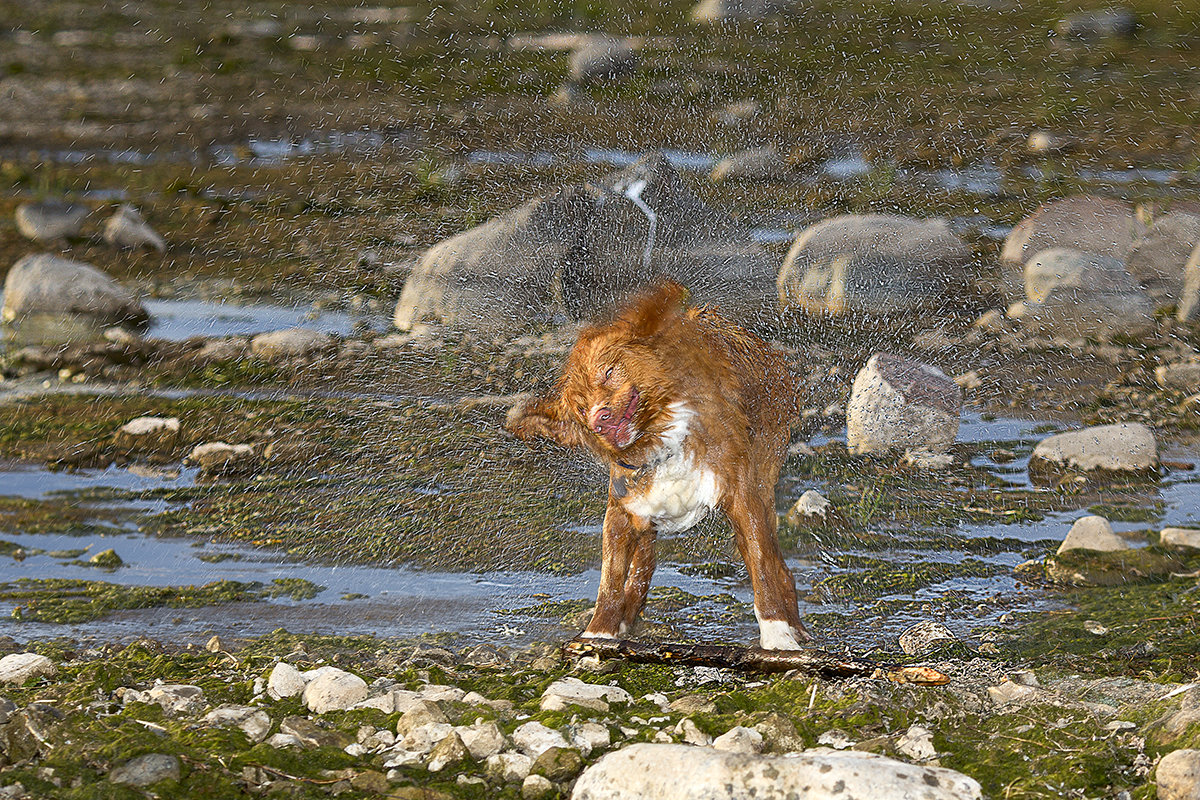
285,681
1189,300
355,749
482,740
423,738
534,738
1092,533
759,164
178,698
1183,375
1158,259
537,787
811,504
148,433
681,772
508,767
1125,446
1187,538
289,343
917,744
726,11
1011,692
280,740
1073,293
50,220
334,691
925,636
1092,224
221,457
590,736
919,459
127,228
898,403
837,739
659,699
739,740
1178,776
60,287
20,667
438,693
691,734
572,691
254,722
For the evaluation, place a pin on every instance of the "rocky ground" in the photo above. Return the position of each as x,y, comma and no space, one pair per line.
346,158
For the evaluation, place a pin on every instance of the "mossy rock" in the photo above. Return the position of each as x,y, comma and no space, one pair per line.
1095,568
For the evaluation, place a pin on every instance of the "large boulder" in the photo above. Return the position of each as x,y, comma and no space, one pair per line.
50,286
900,404
573,253
684,772
51,220
1092,224
1122,447
1160,257
1073,293
872,264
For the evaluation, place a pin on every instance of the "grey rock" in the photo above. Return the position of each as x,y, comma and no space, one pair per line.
178,698
19,667
311,734
289,343
602,60
1178,775
421,713
559,764
739,739
917,743
127,228
1092,533
568,256
1182,538
926,636
1159,258
334,691
59,287
482,739
726,11
146,770
51,220
572,691
1184,375
254,722
448,752
1073,293
148,434
230,348
505,768
759,164
1089,223
811,505
669,771
898,403
222,458
534,738
285,681
1123,447
1108,22
873,264
537,787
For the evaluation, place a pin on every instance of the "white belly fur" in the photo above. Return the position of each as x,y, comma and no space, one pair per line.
678,494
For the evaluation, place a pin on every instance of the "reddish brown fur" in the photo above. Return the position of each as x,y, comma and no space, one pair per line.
744,398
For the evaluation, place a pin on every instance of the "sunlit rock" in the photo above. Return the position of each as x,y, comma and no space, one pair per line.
311,734
533,738
1045,143
422,713
1122,447
926,636
285,681
106,559
1184,375
20,667
334,691
873,265
759,164
900,404
538,787
1181,538
1159,258
590,736
127,228
252,721
1012,692
1092,533
602,59
571,254
739,739
229,348
50,220
178,698
572,691
1177,776
811,505
505,768
222,458
1072,293
448,752
50,286
289,343
681,772
1189,299
917,743
1089,223
482,739
1108,22
722,11
148,434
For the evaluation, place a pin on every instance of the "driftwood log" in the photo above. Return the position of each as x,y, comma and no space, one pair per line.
750,659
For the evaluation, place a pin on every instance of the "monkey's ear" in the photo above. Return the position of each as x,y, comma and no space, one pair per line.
543,416
655,309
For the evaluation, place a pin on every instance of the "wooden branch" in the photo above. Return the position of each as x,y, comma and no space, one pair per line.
750,659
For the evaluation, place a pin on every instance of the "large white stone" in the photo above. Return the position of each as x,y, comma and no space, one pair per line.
900,404
1125,446
127,228
51,220
683,772
178,698
1184,538
60,287
1178,775
254,722
20,667
1159,258
1073,293
483,739
739,739
289,343
334,691
534,738
572,691
1083,222
1092,533
284,681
